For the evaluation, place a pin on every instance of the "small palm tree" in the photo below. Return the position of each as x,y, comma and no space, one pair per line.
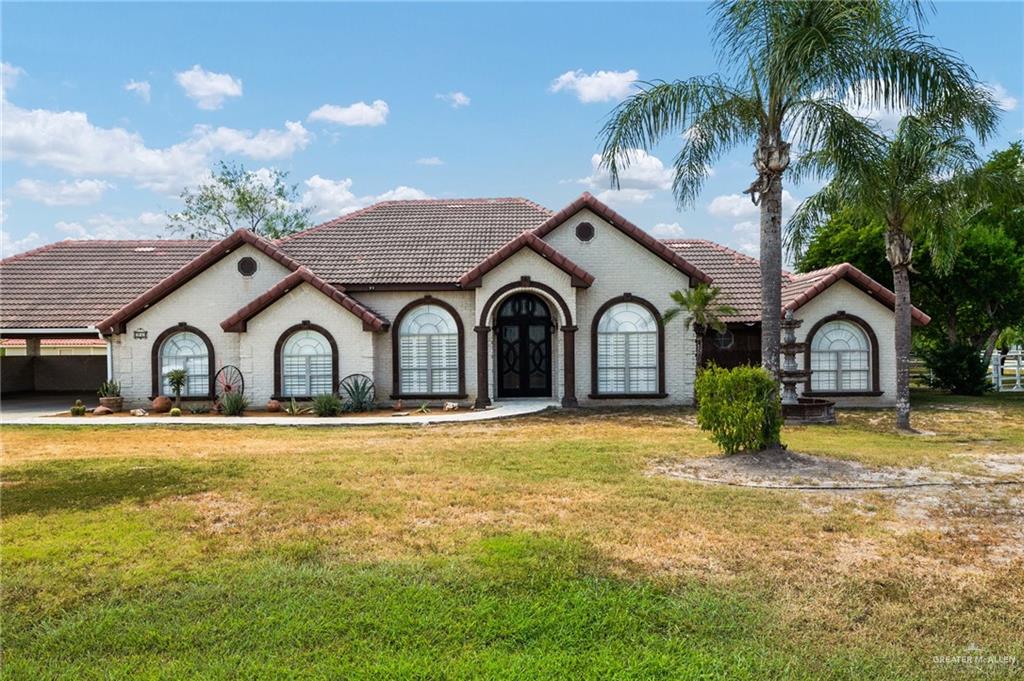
704,311
176,378
794,68
923,183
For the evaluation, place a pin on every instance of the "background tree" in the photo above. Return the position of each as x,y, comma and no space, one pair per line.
235,198
793,69
704,309
922,184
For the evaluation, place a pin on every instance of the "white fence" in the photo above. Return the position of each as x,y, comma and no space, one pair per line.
1007,370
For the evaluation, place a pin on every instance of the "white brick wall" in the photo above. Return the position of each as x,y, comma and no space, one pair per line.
850,299
204,302
304,303
620,265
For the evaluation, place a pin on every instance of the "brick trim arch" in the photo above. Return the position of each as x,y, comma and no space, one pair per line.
279,349
154,360
396,386
595,394
876,389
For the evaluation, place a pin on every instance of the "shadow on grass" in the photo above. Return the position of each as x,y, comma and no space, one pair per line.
86,485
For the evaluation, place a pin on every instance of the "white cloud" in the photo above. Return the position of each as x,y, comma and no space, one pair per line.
263,145
740,205
667,230
139,87
359,113
1004,100
455,99
10,245
103,226
335,197
430,161
63,193
68,141
599,86
208,89
640,176
9,75
747,237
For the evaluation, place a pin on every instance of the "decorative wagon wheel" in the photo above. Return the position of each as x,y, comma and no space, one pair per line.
359,390
228,380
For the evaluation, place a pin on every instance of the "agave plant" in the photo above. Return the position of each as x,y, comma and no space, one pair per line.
358,391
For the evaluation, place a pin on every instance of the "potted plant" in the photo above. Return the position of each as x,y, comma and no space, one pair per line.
176,379
110,395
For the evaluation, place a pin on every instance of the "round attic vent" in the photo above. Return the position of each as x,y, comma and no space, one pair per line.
247,266
584,231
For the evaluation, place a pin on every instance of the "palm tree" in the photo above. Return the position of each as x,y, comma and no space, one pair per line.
703,309
795,68
923,184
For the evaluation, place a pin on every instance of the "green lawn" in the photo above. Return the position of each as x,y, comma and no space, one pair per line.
541,547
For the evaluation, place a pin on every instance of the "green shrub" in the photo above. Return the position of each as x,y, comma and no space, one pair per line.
78,409
175,412
109,389
957,368
200,408
327,404
740,407
234,404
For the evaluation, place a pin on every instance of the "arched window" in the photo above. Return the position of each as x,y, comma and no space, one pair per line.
628,338
840,358
428,351
189,351
307,361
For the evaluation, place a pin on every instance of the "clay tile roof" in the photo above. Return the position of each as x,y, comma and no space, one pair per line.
433,241
580,277
587,200
56,342
739,278
211,255
237,321
74,284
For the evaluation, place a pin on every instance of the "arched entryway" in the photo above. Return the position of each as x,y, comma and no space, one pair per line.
524,324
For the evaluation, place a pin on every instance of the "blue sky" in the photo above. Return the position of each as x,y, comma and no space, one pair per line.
110,109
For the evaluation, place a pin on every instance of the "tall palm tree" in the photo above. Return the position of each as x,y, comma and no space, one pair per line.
703,309
922,183
794,69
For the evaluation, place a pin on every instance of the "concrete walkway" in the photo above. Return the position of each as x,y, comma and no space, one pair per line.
42,415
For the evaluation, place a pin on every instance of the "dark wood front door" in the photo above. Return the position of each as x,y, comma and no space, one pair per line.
524,347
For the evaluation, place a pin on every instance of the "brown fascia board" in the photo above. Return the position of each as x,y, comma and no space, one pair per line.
588,200
115,323
239,320
856,277
580,277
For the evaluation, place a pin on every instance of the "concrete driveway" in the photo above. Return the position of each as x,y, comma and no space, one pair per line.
41,404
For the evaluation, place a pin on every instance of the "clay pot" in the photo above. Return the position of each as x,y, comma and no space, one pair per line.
161,405
112,403
273,406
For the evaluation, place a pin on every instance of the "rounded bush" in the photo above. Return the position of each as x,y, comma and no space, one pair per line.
175,411
327,404
740,408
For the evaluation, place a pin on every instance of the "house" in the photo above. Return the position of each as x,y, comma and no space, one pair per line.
469,300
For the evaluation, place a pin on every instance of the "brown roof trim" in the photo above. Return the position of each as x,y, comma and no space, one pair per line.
587,200
238,321
580,277
191,270
854,276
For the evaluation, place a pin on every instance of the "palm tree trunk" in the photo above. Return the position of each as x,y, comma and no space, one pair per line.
899,249
771,275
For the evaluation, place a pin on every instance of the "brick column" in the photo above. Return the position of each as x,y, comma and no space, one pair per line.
482,397
569,357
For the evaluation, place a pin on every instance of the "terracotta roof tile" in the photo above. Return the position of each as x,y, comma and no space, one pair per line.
802,288
432,241
580,276
237,321
73,284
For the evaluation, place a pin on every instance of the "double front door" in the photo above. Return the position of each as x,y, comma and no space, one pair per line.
524,347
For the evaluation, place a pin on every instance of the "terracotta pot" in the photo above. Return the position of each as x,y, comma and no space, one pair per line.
114,404
273,406
161,405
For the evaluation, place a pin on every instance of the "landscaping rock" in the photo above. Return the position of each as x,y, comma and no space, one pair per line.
273,406
138,412
161,405
102,411
451,406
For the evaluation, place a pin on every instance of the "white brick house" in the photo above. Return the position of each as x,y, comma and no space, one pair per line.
445,300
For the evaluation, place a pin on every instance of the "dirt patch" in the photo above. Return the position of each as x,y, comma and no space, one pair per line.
785,469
